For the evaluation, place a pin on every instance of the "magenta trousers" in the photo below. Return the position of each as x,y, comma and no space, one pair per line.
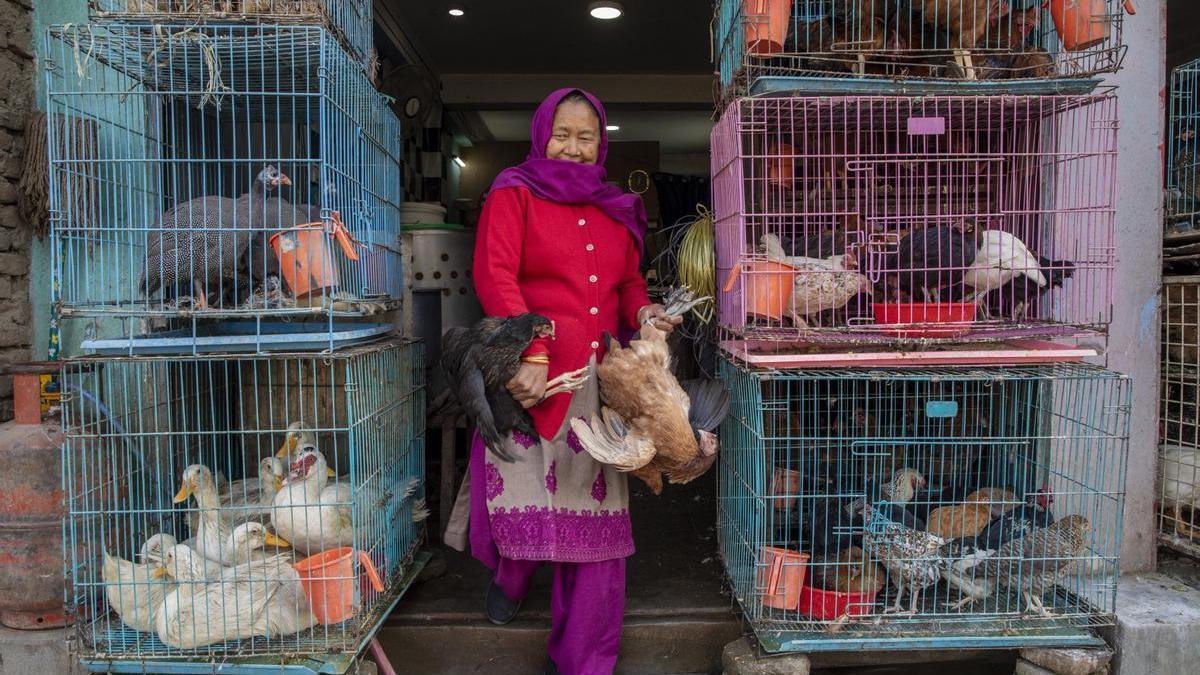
587,602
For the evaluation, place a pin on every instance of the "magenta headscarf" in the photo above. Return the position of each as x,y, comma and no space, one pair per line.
566,182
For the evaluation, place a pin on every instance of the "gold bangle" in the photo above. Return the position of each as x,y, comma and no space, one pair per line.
540,359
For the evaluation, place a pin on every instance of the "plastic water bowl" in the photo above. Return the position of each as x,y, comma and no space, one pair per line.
923,318
829,605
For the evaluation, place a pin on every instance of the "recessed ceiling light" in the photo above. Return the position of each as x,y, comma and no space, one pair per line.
459,161
612,127
457,10
605,10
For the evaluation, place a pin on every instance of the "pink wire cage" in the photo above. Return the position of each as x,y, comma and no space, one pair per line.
896,219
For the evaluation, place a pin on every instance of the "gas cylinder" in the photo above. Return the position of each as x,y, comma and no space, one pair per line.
31,508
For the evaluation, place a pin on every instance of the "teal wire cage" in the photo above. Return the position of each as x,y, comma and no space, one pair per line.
218,171
994,495
350,20
200,528
915,46
1183,167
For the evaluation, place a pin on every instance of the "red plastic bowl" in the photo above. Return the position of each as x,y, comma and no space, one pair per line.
960,314
829,605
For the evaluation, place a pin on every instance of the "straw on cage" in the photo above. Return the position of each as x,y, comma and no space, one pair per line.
76,139
697,263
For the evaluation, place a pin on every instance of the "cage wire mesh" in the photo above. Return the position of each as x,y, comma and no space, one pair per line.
954,41
1179,454
349,20
1183,167
219,171
994,495
885,219
294,482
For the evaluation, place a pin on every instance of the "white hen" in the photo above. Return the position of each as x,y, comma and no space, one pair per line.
1179,485
1000,258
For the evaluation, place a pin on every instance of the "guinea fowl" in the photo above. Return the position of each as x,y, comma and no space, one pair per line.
201,242
1034,563
911,557
481,359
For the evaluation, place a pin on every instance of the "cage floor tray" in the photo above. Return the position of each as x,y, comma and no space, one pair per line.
1014,352
241,337
864,86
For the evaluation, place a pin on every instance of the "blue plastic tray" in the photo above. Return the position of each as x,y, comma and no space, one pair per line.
242,337
864,86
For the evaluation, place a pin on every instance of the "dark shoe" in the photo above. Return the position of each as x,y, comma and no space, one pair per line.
550,668
498,608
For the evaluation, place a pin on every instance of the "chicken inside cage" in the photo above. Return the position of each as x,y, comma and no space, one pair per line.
240,527
922,39
223,171
882,218
930,500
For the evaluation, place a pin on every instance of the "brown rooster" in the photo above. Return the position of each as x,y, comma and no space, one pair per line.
964,23
1009,53
651,426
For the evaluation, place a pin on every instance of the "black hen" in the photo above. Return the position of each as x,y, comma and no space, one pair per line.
1032,515
928,265
1020,296
479,361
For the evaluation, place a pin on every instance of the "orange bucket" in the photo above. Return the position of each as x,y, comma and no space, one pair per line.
305,261
766,25
785,488
767,290
782,577
328,580
1081,23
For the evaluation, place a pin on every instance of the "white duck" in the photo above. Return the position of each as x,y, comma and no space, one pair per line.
247,541
294,439
310,513
257,598
209,532
1000,258
135,591
155,548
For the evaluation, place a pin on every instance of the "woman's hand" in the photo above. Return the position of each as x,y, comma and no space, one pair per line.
529,384
658,316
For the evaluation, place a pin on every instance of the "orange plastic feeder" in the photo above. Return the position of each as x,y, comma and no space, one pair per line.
766,25
782,578
305,259
767,288
1081,24
328,580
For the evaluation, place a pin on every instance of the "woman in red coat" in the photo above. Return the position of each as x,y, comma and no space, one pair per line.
556,240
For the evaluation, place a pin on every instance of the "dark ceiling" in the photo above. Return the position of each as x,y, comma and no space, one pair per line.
558,36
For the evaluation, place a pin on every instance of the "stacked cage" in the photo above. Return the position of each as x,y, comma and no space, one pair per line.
1179,455
244,455
898,184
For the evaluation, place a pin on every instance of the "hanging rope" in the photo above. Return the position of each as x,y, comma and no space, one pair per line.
696,262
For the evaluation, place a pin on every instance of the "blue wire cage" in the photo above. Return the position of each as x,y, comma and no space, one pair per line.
215,453
833,482
914,46
207,171
1183,167
350,20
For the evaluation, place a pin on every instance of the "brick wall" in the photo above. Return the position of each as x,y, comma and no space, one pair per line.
16,100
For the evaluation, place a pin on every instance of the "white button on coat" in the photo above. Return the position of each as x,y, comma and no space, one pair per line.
595,345
594,311
582,221
590,247
593,278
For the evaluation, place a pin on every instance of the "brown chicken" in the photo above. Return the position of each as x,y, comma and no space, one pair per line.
999,500
646,406
849,572
1009,53
964,23
959,520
